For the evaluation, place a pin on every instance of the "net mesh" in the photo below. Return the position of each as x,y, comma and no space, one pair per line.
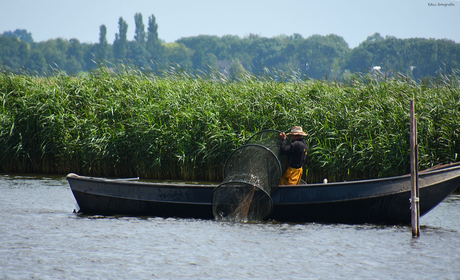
251,174
255,165
240,202
270,138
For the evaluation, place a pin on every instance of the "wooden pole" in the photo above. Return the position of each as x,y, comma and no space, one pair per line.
414,200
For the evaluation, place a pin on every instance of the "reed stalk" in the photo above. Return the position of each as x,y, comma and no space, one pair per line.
123,121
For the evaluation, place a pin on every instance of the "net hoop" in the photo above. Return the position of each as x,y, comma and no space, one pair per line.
226,171
261,132
239,201
251,174
243,183
273,142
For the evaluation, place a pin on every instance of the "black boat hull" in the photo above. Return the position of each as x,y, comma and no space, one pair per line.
379,201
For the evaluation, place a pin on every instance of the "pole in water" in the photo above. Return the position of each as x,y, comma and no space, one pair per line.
414,200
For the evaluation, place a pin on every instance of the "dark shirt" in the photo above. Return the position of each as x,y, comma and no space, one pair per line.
298,150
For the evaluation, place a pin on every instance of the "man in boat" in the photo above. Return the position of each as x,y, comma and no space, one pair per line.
298,151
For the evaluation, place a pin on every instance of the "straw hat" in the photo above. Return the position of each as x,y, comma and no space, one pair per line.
297,130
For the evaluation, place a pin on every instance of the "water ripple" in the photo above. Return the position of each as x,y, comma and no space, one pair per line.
41,238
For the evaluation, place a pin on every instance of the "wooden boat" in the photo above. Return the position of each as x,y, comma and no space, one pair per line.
377,201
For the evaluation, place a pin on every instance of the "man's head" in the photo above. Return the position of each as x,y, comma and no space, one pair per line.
297,132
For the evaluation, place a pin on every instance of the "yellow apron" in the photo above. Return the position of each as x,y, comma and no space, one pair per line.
292,176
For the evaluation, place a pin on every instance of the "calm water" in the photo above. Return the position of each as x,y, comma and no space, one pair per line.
40,238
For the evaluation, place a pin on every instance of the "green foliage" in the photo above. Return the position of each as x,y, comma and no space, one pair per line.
417,57
54,52
120,121
139,36
120,45
154,45
236,71
318,57
21,34
102,47
74,56
178,53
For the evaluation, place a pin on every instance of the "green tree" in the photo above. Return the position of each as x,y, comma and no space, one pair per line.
179,54
120,45
54,51
74,56
198,59
36,61
210,60
416,56
209,44
103,45
89,54
140,29
137,49
137,54
154,46
375,38
205,48
266,52
13,52
21,34
319,56
236,71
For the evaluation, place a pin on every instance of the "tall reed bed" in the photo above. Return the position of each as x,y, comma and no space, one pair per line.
126,122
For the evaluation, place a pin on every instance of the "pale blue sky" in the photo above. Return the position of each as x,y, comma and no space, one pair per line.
352,20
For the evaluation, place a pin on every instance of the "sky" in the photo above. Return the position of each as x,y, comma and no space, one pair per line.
352,20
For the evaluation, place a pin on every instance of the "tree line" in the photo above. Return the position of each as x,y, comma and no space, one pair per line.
316,56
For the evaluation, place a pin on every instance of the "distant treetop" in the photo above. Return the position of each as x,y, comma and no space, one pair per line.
22,34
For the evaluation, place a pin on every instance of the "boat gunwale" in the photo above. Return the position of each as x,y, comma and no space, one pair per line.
421,174
131,182
313,185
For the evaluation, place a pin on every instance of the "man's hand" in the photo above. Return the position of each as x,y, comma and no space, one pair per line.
282,136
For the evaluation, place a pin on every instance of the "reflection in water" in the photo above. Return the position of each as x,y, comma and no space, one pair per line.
40,237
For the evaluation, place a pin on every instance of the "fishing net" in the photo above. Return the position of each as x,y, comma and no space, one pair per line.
251,174
270,138
240,202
